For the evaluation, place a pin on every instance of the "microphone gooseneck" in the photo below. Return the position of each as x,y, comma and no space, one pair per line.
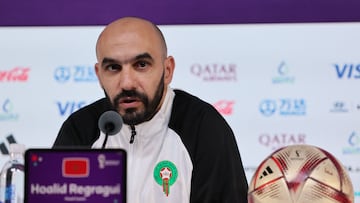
110,123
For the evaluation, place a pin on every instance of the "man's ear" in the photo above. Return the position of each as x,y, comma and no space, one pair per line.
169,69
97,69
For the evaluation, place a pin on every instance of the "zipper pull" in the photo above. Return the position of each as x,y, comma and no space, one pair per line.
133,133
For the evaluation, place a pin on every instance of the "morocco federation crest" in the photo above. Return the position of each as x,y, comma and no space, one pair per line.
165,174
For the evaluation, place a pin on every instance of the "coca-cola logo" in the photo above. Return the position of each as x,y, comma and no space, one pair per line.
224,107
278,140
17,74
214,72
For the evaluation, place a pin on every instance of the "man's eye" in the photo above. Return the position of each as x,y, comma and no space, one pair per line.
141,64
113,67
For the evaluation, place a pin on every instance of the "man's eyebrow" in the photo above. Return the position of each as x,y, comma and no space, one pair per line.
143,56
107,60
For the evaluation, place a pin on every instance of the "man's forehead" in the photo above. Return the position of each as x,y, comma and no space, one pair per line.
127,28
123,49
125,35
126,40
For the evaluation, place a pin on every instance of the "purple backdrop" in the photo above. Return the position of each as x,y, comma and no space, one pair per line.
101,12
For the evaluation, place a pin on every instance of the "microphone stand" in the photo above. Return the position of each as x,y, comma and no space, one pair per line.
109,127
105,140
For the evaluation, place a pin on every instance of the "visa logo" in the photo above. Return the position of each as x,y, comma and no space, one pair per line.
347,71
69,107
75,167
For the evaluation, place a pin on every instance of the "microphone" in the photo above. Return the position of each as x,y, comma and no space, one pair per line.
110,123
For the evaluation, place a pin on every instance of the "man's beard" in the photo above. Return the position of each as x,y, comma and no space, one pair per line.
134,117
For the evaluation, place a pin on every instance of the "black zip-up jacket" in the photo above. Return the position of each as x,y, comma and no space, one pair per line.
186,153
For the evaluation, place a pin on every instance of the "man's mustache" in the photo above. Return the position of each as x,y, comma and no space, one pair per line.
130,93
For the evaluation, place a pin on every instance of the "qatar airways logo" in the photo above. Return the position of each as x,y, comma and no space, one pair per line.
278,140
224,107
17,74
214,72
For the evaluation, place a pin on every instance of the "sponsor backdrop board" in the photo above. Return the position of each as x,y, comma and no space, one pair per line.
276,84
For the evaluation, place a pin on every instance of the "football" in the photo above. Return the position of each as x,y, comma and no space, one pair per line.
301,174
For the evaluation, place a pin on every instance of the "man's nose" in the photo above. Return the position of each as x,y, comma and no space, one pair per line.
127,78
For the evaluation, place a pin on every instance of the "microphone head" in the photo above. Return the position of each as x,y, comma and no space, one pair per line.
110,122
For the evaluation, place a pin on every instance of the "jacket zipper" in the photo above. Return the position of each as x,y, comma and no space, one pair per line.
133,133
